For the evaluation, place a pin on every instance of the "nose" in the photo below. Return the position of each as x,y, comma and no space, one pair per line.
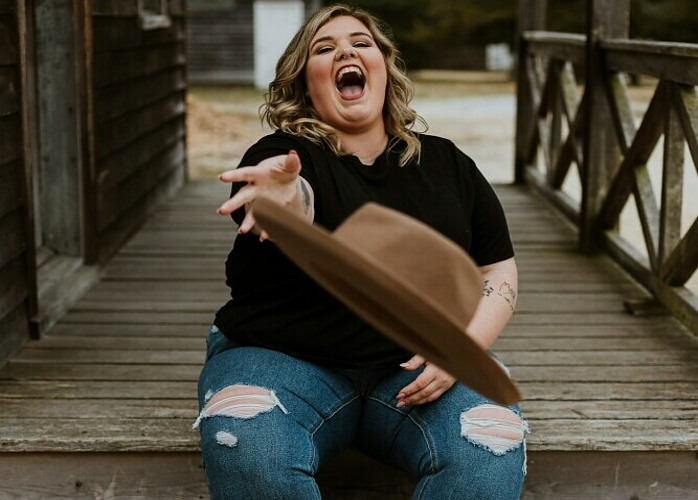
345,53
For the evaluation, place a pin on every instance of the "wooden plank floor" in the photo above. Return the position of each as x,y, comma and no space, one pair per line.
118,373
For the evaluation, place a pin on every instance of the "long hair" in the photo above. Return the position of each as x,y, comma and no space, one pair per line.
286,105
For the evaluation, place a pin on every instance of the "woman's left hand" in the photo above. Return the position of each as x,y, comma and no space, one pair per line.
427,387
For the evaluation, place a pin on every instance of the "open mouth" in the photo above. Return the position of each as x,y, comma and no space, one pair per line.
350,82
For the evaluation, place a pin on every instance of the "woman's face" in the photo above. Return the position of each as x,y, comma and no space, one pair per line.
346,76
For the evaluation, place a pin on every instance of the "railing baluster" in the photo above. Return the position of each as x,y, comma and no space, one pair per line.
647,209
556,117
636,152
621,110
686,102
571,150
672,181
570,97
682,263
544,129
534,96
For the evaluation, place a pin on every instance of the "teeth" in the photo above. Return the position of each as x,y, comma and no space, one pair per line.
349,69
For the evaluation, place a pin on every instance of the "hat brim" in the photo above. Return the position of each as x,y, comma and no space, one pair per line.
386,301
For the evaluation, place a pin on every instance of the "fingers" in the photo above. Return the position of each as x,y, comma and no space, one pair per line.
245,194
244,197
275,176
247,223
240,174
415,362
292,163
427,387
259,172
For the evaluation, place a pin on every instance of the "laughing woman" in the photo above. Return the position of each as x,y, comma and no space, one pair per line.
292,377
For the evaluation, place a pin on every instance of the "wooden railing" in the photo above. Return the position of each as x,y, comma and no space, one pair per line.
576,126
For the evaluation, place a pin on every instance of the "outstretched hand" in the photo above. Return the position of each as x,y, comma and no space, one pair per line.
275,178
427,387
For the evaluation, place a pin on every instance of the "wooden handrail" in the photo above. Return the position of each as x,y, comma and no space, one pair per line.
650,47
666,61
554,122
555,38
563,46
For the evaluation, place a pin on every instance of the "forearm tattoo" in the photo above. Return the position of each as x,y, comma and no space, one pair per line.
508,294
505,291
305,196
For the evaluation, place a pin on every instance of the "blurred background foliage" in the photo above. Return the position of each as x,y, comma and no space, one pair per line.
429,31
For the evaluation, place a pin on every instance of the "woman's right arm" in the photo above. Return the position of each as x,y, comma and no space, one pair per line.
277,178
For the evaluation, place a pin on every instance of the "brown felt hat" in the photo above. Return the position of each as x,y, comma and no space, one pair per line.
410,282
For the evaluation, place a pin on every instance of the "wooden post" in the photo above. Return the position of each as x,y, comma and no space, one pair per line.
672,181
84,88
531,16
58,127
25,21
605,19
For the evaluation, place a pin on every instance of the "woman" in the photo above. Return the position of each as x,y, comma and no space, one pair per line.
292,376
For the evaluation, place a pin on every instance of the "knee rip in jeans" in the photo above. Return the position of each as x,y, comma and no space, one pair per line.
493,427
238,401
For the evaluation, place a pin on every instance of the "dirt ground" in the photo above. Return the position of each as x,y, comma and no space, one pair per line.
476,110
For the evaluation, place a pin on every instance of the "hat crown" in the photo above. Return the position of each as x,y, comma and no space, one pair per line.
440,271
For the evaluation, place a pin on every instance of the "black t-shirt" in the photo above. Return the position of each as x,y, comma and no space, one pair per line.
275,305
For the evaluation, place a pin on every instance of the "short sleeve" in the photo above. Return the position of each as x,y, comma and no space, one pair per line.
274,145
491,241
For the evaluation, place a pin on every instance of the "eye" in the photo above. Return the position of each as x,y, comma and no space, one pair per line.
362,44
323,50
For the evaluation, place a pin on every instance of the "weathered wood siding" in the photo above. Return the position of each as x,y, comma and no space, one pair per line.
220,44
13,249
139,85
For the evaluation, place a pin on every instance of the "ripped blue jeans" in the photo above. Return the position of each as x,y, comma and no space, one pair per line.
268,421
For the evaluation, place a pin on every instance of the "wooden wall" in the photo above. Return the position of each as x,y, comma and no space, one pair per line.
14,286
139,105
134,89
220,44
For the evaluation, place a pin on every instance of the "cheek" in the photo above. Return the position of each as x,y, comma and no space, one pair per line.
314,84
380,72
383,83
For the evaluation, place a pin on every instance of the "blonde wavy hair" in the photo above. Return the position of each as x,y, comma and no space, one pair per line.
287,108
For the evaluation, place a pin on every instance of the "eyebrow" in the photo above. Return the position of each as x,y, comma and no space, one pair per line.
351,35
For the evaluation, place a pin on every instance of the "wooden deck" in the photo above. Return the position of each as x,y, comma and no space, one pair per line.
102,406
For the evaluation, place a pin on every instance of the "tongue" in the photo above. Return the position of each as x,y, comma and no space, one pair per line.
351,90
